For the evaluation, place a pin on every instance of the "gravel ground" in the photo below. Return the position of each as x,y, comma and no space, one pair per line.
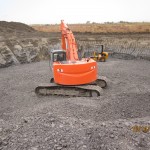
28,122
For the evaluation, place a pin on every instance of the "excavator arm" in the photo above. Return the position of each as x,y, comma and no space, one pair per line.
68,42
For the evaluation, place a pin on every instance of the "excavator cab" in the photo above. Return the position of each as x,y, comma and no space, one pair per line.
58,55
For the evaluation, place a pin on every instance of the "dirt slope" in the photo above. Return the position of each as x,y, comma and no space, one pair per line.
11,27
20,43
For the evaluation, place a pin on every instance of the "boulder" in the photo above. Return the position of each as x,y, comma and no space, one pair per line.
7,58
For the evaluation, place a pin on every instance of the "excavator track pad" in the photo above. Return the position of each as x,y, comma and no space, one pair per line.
72,91
101,82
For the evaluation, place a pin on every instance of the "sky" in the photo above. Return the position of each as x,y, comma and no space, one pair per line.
74,11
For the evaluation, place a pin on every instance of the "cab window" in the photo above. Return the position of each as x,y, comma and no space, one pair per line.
59,57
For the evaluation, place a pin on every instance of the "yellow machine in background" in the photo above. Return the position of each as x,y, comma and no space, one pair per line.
99,55
94,51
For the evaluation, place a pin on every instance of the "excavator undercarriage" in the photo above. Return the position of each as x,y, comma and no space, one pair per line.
90,90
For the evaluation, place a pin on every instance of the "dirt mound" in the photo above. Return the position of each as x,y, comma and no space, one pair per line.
10,27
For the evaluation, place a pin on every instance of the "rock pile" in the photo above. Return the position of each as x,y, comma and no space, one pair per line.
23,51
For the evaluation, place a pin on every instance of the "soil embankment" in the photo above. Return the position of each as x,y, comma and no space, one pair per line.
20,43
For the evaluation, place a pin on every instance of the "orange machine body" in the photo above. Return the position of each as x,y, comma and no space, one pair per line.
73,71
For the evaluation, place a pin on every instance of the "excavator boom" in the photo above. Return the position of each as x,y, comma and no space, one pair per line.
68,42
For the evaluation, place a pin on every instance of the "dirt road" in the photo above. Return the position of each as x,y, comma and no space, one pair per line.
28,122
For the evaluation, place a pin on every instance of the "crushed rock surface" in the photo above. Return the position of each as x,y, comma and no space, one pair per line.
29,122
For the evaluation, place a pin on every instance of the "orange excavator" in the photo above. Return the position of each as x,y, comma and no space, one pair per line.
71,76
